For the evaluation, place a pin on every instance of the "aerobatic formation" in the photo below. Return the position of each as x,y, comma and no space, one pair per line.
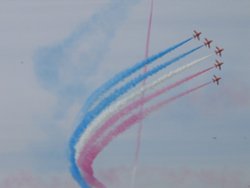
111,109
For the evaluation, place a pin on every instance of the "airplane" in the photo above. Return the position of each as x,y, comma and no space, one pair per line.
218,51
218,64
216,79
207,42
197,34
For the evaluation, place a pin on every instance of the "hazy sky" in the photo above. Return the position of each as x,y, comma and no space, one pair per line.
54,53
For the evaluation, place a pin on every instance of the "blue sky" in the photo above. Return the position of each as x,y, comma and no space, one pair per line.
39,113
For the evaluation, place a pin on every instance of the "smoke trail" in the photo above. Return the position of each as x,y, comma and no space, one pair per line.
139,132
134,118
119,104
124,74
105,103
90,116
135,105
149,30
89,39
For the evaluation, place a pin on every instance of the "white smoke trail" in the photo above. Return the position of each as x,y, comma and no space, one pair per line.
122,102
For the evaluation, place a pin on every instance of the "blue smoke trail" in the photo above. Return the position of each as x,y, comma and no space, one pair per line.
124,74
106,102
50,63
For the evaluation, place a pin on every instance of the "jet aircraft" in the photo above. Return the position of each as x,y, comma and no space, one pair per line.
216,79
218,51
197,34
218,64
207,42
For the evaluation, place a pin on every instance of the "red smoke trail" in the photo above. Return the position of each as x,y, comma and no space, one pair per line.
163,103
133,106
139,132
92,181
113,119
149,32
90,152
133,119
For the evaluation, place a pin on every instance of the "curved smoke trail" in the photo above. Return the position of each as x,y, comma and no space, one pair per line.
120,103
126,73
91,115
51,62
134,118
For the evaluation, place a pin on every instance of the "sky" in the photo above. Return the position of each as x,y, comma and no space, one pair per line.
53,54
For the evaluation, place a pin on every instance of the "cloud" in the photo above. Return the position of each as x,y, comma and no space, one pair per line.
64,68
29,180
188,177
